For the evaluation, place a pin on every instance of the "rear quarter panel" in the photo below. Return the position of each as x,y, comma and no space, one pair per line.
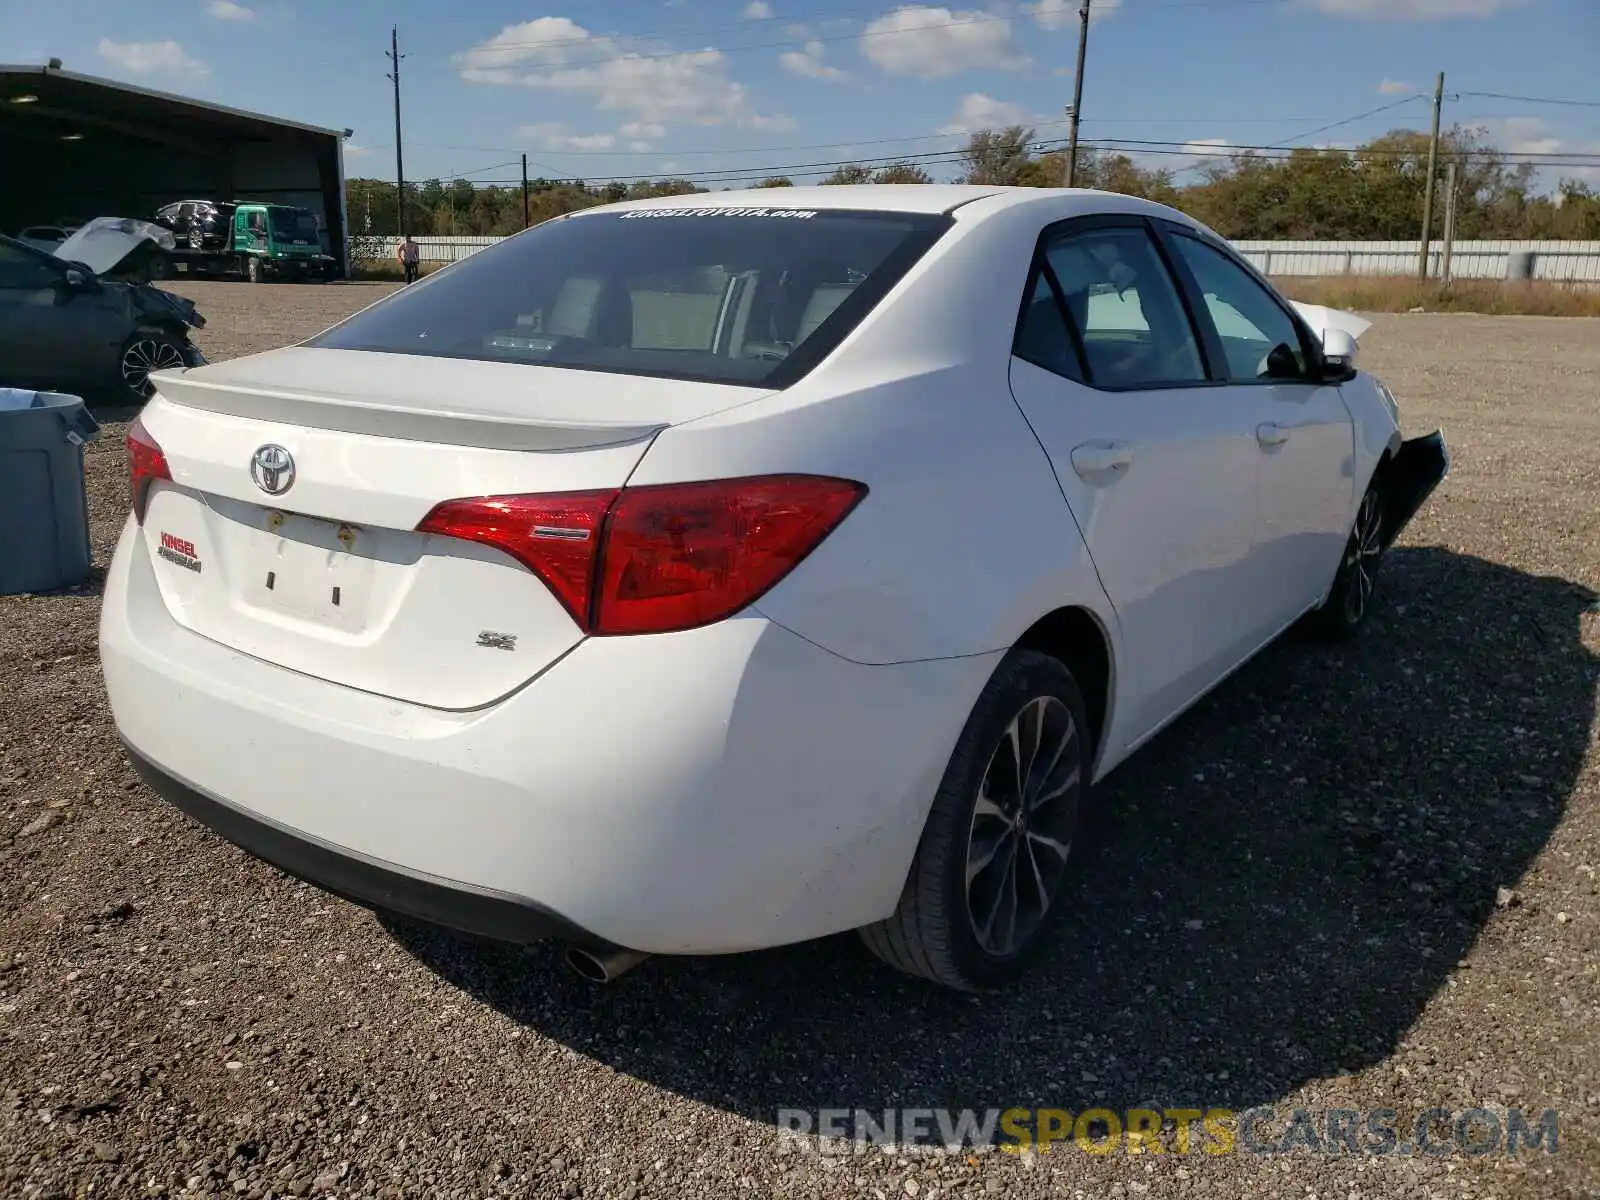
964,539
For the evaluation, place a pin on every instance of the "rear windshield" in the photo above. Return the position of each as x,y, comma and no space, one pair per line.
741,296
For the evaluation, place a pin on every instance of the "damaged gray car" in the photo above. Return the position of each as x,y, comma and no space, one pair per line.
84,318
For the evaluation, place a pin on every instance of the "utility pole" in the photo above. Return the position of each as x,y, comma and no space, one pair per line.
1077,95
527,218
1449,220
1432,181
399,158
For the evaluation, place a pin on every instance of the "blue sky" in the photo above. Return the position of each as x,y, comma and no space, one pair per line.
617,88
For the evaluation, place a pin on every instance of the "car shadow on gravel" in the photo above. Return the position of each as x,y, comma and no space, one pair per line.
1278,886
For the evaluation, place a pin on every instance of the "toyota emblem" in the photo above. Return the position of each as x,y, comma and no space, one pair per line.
272,467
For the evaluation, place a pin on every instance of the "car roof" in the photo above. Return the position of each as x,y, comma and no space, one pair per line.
929,198
876,197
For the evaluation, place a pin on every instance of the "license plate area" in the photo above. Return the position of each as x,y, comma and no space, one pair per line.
311,570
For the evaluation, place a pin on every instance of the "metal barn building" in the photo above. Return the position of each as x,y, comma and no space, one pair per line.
77,147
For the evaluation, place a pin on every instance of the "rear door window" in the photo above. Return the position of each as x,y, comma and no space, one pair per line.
745,296
1126,308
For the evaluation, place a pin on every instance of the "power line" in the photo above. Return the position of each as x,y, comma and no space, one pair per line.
975,19
1382,108
854,36
1139,145
666,152
1163,149
1533,99
1129,146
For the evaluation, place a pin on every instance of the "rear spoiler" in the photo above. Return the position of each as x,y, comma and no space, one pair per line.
348,414
1321,319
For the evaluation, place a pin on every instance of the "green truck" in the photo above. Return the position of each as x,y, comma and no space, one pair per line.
256,240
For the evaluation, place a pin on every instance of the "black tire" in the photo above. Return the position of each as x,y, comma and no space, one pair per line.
1350,598
252,268
145,351
936,932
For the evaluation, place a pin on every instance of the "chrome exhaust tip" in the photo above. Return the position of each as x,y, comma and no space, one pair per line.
602,966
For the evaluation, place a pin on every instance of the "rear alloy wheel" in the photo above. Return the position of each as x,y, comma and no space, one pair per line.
146,351
1350,598
988,874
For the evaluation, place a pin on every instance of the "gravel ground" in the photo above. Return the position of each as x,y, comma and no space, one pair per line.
1355,878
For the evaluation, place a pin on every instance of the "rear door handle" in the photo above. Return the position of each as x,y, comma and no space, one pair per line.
1094,460
1271,434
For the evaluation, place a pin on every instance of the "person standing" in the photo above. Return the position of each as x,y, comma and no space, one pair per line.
408,252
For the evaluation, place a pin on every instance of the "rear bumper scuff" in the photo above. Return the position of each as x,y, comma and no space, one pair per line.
369,882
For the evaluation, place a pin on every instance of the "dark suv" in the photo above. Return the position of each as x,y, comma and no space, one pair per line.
199,224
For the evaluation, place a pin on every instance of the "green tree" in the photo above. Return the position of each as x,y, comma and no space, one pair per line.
848,174
901,172
1000,156
773,181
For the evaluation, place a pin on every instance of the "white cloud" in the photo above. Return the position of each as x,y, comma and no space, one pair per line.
227,10
643,129
808,63
757,10
929,42
1530,135
1525,135
553,135
152,58
1414,10
978,111
1393,87
352,150
1059,14
1206,148
641,79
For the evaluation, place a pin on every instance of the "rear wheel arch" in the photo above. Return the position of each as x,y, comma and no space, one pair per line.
1075,636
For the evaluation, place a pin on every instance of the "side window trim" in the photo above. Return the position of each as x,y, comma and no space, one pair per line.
1309,347
1037,270
1194,303
1074,334
1212,359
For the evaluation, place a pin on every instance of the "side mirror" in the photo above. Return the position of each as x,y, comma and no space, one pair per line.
81,279
1339,352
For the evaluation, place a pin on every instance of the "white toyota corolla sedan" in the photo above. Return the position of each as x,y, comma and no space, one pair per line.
716,572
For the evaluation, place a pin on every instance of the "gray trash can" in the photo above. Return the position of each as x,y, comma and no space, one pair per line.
44,514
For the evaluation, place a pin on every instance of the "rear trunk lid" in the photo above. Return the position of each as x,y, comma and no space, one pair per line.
328,576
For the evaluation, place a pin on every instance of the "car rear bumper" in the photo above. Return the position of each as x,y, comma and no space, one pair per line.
715,790
369,882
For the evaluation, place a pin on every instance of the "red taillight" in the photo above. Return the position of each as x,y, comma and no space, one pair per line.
556,536
662,557
685,554
146,464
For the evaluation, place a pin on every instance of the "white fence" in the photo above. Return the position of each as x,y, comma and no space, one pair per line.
1564,262
1567,262
438,249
